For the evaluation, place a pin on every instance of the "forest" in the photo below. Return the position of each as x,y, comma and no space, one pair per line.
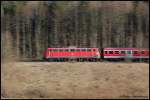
29,27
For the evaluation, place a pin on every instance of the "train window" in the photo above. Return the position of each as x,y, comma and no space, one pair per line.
105,52
110,52
89,50
78,50
128,52
83,49
142,52
66,50
55,50
122,52
135,52
116,52
94,50
72,50
61,50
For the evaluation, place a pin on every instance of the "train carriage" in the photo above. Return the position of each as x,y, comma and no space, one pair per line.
126,53
72,53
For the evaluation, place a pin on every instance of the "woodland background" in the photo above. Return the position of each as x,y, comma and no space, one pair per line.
29,27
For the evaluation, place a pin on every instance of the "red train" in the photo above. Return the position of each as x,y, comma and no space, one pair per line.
80,54
126,53
95,54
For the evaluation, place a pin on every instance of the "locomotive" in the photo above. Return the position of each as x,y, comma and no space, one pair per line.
96,54
65,54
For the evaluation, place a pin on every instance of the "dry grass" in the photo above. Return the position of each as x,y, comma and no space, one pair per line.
75,80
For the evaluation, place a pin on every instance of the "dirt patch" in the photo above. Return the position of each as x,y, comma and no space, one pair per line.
75,80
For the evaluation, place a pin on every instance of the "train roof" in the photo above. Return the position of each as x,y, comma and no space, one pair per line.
126,49
73,48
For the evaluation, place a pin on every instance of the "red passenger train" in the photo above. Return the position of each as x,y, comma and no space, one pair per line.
126,53
81,54
95,54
